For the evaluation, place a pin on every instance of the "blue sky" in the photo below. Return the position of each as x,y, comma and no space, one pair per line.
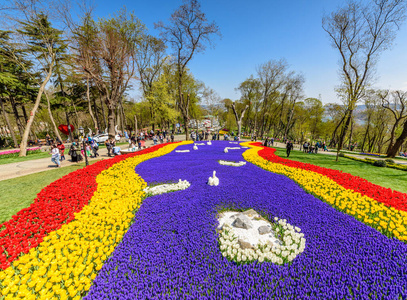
256,31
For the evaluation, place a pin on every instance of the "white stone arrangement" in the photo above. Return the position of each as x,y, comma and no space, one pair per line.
245,147
227,148
233,142
245,237
181,150
232,163
200,144
168,187
209,143
195,147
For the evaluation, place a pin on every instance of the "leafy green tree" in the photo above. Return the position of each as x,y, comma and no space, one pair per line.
112,56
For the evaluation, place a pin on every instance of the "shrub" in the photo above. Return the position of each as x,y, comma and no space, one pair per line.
389,160
341,154
380,163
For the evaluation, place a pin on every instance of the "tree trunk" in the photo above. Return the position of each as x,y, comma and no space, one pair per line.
186,128
399,142
23,145
366,133
76,113
52,118
135,124
89,105
343,133
111,118
392,133
103,110
96,116
20,126
10,128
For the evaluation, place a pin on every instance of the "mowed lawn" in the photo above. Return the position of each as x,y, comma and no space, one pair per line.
20,192
386,177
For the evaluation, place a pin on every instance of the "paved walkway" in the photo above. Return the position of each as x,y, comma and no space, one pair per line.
18,169
333,152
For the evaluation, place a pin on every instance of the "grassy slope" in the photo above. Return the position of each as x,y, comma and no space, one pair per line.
20,192
390,178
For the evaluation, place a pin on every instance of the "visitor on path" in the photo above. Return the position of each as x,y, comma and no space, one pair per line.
48,139
289,147
316,147
172,137
73,152
155,139
108,147
142,144
324,147
266,141
272,142
61,149
87,149
305,146
161,138
95,148
55,155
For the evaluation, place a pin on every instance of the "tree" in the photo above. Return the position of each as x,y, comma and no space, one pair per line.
361,32
150,60
112,55
250,90
396,103
188,32
41,41
239,118
271,76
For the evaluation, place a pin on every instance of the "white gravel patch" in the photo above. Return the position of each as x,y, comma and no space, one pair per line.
251,235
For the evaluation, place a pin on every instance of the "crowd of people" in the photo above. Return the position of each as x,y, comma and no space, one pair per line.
76,151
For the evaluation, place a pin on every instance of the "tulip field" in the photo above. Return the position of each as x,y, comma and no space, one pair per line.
97,234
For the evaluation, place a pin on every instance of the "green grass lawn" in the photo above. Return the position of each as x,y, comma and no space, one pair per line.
20,192
389,178
33,156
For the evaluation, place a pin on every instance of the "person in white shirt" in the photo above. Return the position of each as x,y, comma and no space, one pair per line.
55,155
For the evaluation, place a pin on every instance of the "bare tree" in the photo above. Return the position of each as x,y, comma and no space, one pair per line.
188,32
361,32
396,103
271,76
239,118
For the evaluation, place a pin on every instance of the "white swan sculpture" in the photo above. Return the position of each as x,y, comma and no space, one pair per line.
213,181
226,150
209,143
195,147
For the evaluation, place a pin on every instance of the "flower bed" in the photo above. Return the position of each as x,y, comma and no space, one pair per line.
172,250
167,248
376,206
83,240
15,152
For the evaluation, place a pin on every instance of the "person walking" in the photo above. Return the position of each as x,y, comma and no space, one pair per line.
95,148
108,147
289,147
172,137
61,149
55,155
316,147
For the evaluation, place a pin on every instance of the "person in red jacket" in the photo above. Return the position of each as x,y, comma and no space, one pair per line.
61,149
